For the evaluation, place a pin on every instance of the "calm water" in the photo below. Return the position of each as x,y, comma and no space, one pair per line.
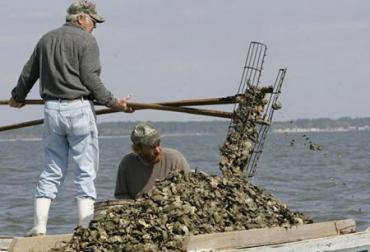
329,184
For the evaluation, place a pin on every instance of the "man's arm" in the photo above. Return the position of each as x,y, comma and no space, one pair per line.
121,191
28,77
90,69
182,164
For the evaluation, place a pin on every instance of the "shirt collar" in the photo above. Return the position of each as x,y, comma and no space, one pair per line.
70,24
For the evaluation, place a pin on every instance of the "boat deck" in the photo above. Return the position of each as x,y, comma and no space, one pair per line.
5,242
34,244
339,236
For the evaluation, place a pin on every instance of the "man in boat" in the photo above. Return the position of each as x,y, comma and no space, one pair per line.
148,162
66,60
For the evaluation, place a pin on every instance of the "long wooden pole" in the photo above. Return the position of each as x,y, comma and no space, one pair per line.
192,102
136,106
21,125
29,102
195,111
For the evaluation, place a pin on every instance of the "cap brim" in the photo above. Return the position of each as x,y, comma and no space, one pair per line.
97,18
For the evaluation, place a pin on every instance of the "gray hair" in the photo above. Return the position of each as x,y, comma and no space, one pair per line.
74,17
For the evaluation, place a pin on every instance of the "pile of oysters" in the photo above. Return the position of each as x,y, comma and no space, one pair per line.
183,204
243,131
193,203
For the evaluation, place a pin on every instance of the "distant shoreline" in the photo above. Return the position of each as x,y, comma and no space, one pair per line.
35,139
175,128
303,130
277,131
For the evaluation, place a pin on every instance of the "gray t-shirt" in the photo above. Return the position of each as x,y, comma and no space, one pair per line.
135,177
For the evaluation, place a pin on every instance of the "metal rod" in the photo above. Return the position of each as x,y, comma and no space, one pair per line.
263,129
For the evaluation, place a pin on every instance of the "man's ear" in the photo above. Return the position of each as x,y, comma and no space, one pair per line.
80,19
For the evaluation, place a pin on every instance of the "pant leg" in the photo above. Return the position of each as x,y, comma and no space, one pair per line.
55,154
84,150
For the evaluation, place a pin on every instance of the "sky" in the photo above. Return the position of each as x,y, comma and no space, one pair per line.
168,50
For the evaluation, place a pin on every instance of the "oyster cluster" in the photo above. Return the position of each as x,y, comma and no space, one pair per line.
243,131
307,142
181,205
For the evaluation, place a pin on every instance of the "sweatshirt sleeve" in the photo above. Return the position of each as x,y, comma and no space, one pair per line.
28,77
121,191
90,69
181,163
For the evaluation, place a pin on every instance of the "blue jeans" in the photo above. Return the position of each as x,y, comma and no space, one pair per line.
69,130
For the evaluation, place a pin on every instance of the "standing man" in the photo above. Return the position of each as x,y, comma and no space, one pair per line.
66,60
148,162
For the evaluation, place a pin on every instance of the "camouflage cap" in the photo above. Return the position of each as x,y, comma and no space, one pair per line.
144,133
87,7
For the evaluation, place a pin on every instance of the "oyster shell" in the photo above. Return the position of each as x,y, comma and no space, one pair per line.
200,204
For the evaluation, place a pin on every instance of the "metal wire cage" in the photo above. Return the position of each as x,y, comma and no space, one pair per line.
250,79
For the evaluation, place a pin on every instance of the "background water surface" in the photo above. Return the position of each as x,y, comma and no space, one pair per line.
329,184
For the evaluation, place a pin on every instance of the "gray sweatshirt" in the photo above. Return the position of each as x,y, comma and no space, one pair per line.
134,177
66,60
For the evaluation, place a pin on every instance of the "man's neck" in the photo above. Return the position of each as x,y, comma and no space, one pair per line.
75,24
145,162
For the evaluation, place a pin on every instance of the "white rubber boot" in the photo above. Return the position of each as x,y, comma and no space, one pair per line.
85,209
40,217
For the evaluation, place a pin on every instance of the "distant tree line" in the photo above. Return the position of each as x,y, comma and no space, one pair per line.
204,127
125,128
323,123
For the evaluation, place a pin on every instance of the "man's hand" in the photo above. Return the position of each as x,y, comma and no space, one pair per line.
122,104
13,103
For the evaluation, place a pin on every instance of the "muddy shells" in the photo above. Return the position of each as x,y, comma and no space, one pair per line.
183,204
243,134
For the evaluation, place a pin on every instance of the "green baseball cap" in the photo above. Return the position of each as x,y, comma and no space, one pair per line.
87,7
144,133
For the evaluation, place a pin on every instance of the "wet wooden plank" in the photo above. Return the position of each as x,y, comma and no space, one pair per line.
38,243
359,242
5,242
267,236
